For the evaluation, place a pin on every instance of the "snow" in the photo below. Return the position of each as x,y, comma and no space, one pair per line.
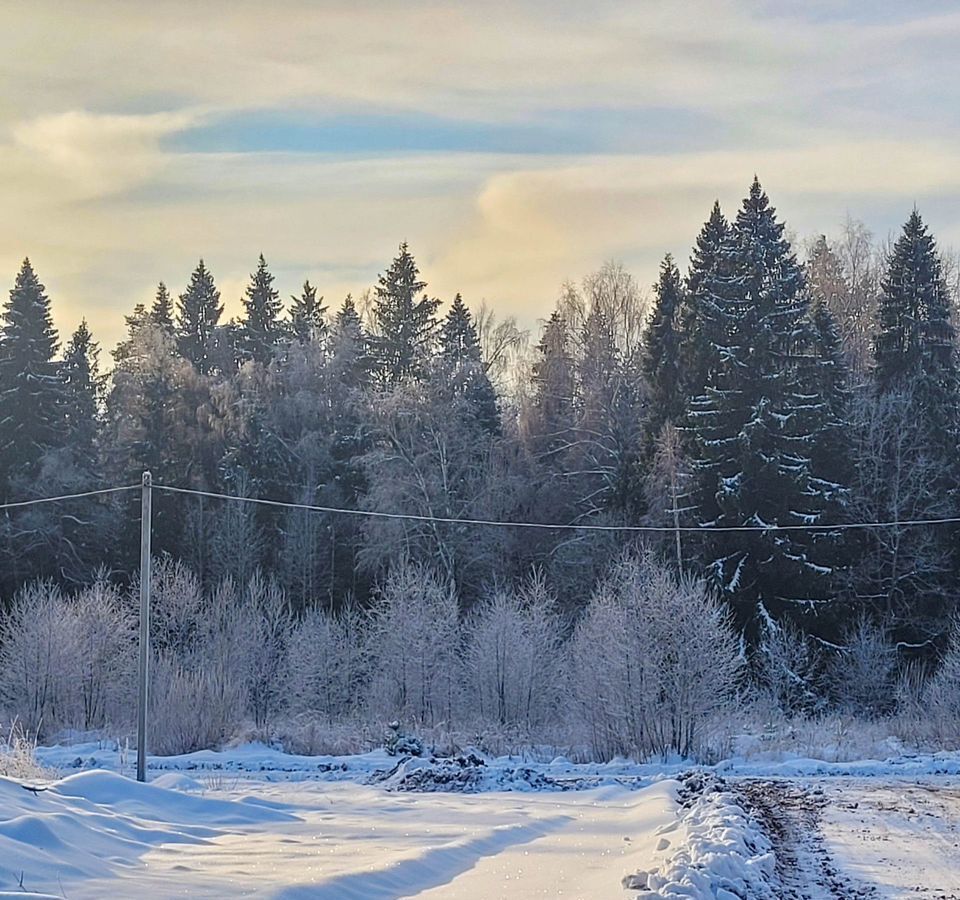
97,833
254,821
901,837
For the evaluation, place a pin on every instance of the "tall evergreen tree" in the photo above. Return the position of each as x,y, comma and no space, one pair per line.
607,418
702,323
31,390
405,321
915,346
752,426
459,372
907,463
350,354
161,313
827,381
306,315
260,329
83,387
554,390
662,353
198,313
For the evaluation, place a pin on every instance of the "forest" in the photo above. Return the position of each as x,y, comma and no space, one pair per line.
740,488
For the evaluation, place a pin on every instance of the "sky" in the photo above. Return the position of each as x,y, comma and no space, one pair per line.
514,145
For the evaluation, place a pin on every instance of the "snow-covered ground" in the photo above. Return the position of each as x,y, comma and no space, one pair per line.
252,821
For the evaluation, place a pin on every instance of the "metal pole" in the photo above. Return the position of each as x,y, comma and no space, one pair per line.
145,515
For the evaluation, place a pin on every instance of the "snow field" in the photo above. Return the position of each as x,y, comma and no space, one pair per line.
253,821
98,833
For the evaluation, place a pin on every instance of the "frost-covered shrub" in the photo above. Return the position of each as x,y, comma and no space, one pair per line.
941,696
653,662
38,660
190,709
222,662
325,667
412,639
512,657
268,624
862,675
67,662
105,635
177,609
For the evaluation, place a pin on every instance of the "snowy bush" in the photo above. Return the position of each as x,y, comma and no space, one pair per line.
18,756
191,709
653,662
106,643
862,675
222,661
941,696
325,664
512,656
412,640
38,659
67,662
176,608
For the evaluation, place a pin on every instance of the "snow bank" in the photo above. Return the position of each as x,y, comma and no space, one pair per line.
714,849
83,826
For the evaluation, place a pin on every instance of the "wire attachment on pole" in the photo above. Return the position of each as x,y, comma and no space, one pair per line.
146,498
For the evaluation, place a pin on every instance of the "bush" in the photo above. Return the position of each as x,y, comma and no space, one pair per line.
941,696
67,662
325,665
513,657
862,676
654,662
412,644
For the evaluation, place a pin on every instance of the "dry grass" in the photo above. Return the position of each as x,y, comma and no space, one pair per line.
18,756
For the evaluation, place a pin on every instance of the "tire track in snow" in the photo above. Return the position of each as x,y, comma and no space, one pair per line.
790,816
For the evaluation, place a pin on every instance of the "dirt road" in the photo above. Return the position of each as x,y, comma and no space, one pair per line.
857,838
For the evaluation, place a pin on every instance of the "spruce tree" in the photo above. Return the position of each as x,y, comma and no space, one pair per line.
405,322
306,316
915,346
82,389
915,382
828,382
350,356
662,353
31,390
198,313
702,323
260,329
459,372
161,313
554,390
753,425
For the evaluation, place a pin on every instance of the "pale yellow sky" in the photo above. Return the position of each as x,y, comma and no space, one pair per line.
513,145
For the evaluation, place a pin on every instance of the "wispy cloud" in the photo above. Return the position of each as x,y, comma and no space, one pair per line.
514,144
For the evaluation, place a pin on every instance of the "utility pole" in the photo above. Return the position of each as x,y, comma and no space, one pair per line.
146,498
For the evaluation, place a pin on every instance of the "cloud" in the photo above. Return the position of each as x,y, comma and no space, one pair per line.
88,155
835,109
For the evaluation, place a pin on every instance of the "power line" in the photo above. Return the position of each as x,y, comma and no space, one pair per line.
495,523
113,490
449,520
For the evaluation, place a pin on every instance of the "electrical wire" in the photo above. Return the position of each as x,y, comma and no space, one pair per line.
113,490
656,529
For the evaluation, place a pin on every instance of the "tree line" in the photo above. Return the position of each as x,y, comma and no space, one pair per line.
758,389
